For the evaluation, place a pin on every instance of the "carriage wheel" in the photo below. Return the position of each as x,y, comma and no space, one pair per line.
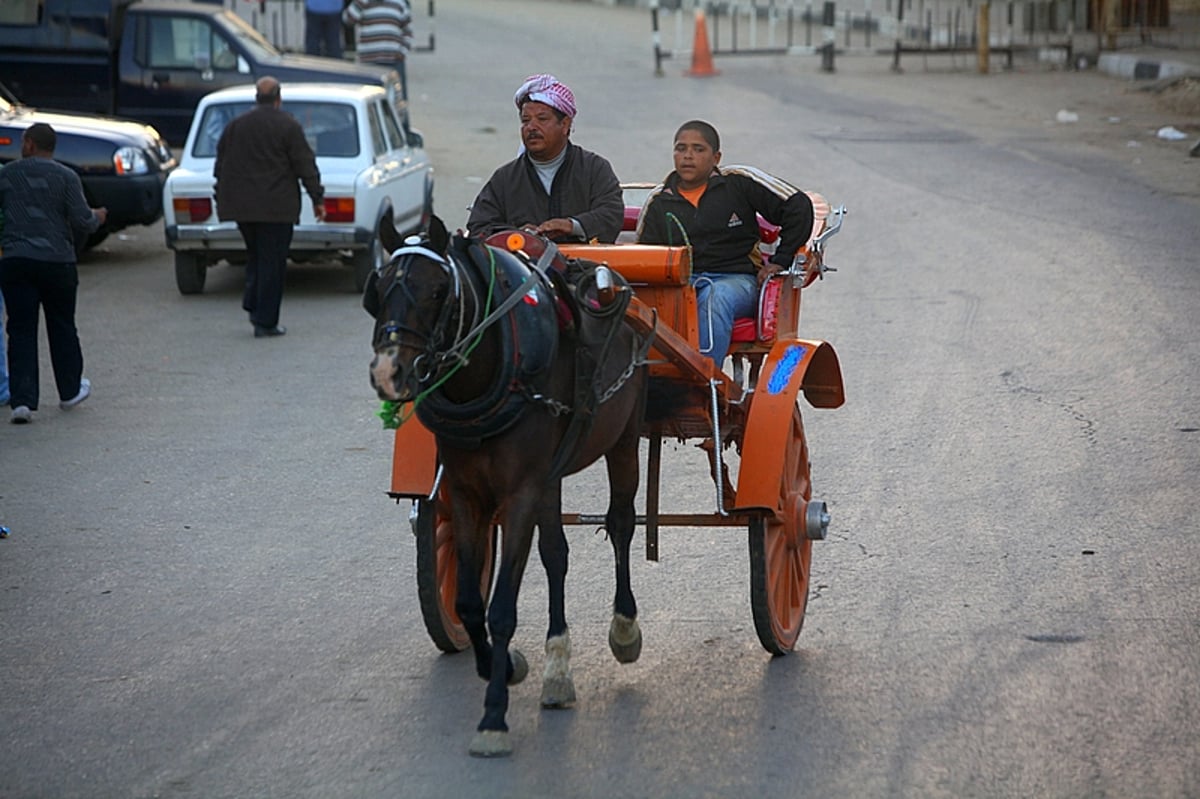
437,575
781,553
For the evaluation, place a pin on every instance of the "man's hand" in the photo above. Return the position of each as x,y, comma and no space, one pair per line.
555,228
101,214
319,211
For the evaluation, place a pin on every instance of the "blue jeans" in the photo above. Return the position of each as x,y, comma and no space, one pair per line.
323,34
720,299
3,357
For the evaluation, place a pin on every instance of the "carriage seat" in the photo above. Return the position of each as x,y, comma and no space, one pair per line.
750,330
654,265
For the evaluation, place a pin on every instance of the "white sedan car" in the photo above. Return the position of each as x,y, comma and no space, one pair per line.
370,164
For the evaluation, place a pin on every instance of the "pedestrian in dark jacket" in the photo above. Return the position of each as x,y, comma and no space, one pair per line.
715,210
554,188
262,158
44,213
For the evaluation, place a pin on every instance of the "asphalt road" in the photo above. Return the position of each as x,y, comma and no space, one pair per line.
207,593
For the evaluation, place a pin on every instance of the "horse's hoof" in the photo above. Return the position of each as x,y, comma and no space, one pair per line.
625,638
520,666
558,689
558,692
491,743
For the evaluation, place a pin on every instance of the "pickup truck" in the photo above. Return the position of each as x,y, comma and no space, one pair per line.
149,60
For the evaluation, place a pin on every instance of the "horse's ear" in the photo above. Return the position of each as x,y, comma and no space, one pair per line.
389,237
370,298
439,237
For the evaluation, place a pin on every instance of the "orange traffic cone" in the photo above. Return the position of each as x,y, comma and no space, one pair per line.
702,63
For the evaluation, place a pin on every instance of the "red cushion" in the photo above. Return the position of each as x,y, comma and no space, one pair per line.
750,330
768,308
744,331
630,221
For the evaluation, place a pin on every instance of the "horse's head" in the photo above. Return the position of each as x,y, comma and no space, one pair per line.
413,299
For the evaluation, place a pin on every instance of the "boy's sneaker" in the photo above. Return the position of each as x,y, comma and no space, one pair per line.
85,391
21,415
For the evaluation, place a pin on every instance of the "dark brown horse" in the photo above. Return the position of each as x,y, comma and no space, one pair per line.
471,334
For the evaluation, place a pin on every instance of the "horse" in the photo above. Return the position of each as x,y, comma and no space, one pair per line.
470,333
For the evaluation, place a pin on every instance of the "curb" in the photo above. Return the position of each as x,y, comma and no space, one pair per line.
1135,67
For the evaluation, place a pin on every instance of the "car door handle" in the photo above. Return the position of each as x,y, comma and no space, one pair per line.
159,78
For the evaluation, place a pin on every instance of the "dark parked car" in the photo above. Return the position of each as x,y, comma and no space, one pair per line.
123,164
150,60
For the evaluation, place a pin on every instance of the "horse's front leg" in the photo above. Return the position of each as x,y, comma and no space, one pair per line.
624,634
472,533
558,688
491,738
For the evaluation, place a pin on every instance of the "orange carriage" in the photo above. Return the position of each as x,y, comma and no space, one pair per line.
754,410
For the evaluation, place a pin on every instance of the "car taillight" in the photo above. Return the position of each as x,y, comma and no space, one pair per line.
192,209
339,209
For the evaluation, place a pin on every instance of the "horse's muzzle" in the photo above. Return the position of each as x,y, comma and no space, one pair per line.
391,377
384,374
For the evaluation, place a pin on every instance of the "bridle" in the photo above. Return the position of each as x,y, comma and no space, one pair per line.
451,319
458,329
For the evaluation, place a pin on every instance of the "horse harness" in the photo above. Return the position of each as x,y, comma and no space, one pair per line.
528,324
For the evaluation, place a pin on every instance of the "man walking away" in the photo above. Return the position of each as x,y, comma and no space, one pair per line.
44,211
262,158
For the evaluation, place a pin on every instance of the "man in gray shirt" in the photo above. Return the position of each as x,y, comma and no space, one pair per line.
44,211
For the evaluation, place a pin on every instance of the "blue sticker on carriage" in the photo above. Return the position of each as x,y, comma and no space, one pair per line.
786,368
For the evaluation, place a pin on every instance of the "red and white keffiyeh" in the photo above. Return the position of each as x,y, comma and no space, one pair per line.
546,89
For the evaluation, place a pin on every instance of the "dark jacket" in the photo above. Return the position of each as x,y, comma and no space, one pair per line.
44,210
262,157
723,230
585,188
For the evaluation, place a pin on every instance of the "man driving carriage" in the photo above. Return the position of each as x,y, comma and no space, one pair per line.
714,210
554,188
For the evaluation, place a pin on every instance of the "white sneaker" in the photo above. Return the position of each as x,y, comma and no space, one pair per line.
85,391
21,415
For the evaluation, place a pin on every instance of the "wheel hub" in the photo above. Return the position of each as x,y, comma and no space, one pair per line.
816,520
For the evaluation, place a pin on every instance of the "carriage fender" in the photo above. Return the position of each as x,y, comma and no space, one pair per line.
792,366
414,460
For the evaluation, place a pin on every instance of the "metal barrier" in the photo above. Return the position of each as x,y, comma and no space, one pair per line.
805,27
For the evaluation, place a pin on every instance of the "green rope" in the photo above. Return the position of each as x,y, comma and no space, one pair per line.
672,218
